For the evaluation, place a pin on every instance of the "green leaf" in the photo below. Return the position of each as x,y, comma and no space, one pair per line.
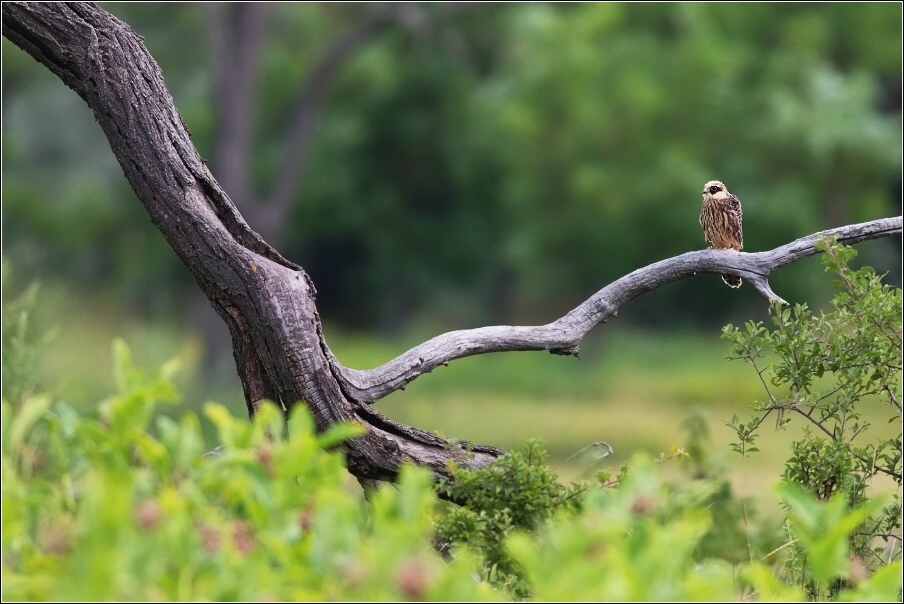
31,411
824,528
125,374
884,586
339,433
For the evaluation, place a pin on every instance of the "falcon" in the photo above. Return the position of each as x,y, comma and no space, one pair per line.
721,222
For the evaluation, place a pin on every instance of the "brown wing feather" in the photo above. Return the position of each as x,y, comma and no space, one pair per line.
707,221
722,227
721,222
734,225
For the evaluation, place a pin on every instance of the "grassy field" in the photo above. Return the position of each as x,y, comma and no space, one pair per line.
632,388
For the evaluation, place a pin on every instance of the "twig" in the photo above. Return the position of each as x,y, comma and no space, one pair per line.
816,423
777,550
892,398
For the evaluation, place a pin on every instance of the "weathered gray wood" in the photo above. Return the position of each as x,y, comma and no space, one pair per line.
267,301
564,335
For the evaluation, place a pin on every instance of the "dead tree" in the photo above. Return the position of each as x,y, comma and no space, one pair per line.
267,301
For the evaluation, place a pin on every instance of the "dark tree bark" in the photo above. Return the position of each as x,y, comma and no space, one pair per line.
267,301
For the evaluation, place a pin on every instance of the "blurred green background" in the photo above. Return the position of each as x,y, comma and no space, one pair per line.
446,166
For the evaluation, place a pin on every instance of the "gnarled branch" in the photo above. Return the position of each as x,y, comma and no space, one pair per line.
267,301
564,335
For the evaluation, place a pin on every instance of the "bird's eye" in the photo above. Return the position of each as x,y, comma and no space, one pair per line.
714,189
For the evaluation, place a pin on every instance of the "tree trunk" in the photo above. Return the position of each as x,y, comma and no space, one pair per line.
268,302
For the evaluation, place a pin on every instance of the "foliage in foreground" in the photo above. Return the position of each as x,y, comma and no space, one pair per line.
99,508
112,507
20,341
827,369
518,492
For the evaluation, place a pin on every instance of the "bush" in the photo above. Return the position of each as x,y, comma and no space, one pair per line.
828,369
121,505
99,509
515,493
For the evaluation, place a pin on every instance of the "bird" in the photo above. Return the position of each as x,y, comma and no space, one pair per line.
720,218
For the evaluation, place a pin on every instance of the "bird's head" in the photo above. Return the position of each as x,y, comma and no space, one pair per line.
715,189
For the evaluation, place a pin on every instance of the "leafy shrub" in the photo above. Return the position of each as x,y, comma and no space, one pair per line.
641,539
99,509
515,492
633,542
827,369
124,506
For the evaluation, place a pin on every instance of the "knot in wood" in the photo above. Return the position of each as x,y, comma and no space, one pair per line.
571,351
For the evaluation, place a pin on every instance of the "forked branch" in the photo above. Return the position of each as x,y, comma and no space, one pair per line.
564,335
267,301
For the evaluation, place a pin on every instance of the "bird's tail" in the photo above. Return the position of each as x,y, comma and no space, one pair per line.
732,281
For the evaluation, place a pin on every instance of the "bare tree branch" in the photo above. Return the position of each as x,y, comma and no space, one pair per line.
267,301
564,335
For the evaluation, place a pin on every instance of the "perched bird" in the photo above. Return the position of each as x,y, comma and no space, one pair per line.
721,222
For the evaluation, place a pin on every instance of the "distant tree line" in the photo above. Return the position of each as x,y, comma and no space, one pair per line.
516,157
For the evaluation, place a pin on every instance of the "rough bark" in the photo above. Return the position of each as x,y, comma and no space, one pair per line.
267,301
